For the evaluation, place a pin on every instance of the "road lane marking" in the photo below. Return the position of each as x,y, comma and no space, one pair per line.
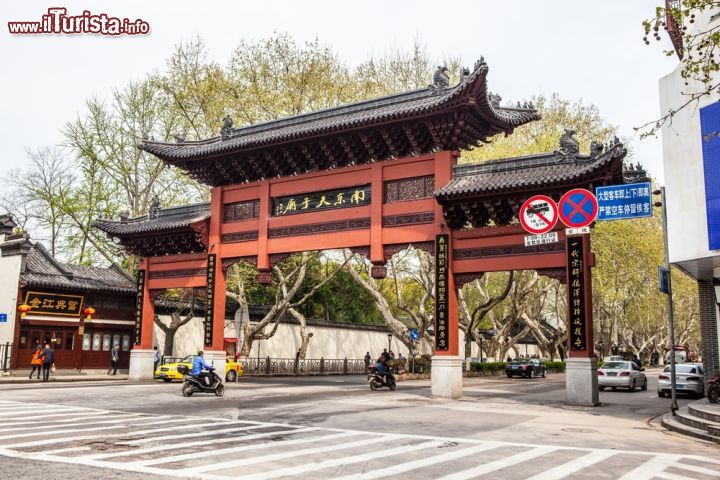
425,462
697,469
499,464
173,446
204,433
35,410
115,420
67,418
573,466
180,427
338,462
651,468
66,450
242,448
39,443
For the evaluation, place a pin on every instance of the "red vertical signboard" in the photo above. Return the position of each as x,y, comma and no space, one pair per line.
441,292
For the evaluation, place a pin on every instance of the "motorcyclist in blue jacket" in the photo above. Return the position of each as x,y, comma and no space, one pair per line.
200,369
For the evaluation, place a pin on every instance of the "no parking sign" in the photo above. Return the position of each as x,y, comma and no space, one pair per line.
578,208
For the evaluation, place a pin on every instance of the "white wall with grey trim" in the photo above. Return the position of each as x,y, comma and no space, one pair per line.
326,342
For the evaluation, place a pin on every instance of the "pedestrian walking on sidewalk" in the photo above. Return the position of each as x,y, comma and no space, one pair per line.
156,359
48,362
36,362
114,359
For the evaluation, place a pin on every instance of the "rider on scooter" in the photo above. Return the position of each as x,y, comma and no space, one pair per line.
201,370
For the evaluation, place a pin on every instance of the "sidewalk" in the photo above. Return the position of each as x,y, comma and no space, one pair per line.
19,378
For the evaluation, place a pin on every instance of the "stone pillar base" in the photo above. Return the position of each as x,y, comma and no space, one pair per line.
446,376
216,359
141,364
581,384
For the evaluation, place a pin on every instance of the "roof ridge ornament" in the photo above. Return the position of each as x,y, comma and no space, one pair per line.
479,63
568,143
495,99
226,129
441,78
154,210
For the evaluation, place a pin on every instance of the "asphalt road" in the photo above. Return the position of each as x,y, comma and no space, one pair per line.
518,427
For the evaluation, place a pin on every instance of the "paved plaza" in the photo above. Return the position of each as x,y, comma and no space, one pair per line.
335,427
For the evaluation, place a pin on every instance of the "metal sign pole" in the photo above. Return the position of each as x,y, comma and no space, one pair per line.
671,325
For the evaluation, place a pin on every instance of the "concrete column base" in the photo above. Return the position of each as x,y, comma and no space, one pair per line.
581,384
141,364
217,359
446,376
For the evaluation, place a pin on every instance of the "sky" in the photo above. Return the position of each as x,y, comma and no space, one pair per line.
581,49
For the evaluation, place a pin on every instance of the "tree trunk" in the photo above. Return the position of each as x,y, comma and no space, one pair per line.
169,342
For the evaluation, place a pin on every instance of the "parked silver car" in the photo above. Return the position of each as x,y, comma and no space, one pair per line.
621,375
689,378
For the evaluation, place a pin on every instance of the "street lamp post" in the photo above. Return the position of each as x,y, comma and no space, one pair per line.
669,307
389,341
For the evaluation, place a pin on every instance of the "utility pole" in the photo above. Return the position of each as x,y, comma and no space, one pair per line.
669,307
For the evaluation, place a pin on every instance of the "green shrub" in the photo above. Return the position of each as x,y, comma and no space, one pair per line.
556,367
487,368
422,364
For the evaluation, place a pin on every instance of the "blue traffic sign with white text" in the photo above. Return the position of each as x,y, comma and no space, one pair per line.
3,317
617,202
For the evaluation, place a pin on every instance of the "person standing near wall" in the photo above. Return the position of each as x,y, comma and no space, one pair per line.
48,362
114,359
367,360
156,359
36,362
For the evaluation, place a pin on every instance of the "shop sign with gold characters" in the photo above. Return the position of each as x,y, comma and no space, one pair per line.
54,304
321,201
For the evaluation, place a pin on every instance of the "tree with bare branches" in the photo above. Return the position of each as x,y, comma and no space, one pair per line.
411,286
472,318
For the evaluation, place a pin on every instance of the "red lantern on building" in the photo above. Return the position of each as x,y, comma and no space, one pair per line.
89,312
24,309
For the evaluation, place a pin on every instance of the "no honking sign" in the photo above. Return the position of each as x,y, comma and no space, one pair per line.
538,214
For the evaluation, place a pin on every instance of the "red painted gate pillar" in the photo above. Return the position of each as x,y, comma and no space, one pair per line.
581,386
216,287
141,355
446,373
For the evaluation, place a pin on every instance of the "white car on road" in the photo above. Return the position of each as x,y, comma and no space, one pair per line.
688,379
623,374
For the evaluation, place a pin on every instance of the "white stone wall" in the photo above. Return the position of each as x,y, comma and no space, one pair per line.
9,276
326,342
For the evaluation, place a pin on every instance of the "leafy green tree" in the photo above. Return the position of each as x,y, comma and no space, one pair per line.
543,135
696,41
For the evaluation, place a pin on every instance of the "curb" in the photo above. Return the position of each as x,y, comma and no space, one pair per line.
58,380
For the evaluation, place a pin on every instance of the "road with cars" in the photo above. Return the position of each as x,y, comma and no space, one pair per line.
335,427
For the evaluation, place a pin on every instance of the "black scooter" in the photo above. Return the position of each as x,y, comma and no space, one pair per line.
193,384
378,380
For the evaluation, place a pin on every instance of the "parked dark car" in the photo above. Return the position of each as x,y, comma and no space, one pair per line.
529,368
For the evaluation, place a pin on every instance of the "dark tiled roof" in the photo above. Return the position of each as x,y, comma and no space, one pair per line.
168,219
7,223
529,173
356,115
43,271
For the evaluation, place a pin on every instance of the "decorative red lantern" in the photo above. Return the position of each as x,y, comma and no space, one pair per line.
89,312
24,309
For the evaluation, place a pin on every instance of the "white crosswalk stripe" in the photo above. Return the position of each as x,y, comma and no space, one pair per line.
220,449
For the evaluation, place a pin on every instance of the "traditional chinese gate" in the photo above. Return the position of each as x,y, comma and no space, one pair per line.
373,177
